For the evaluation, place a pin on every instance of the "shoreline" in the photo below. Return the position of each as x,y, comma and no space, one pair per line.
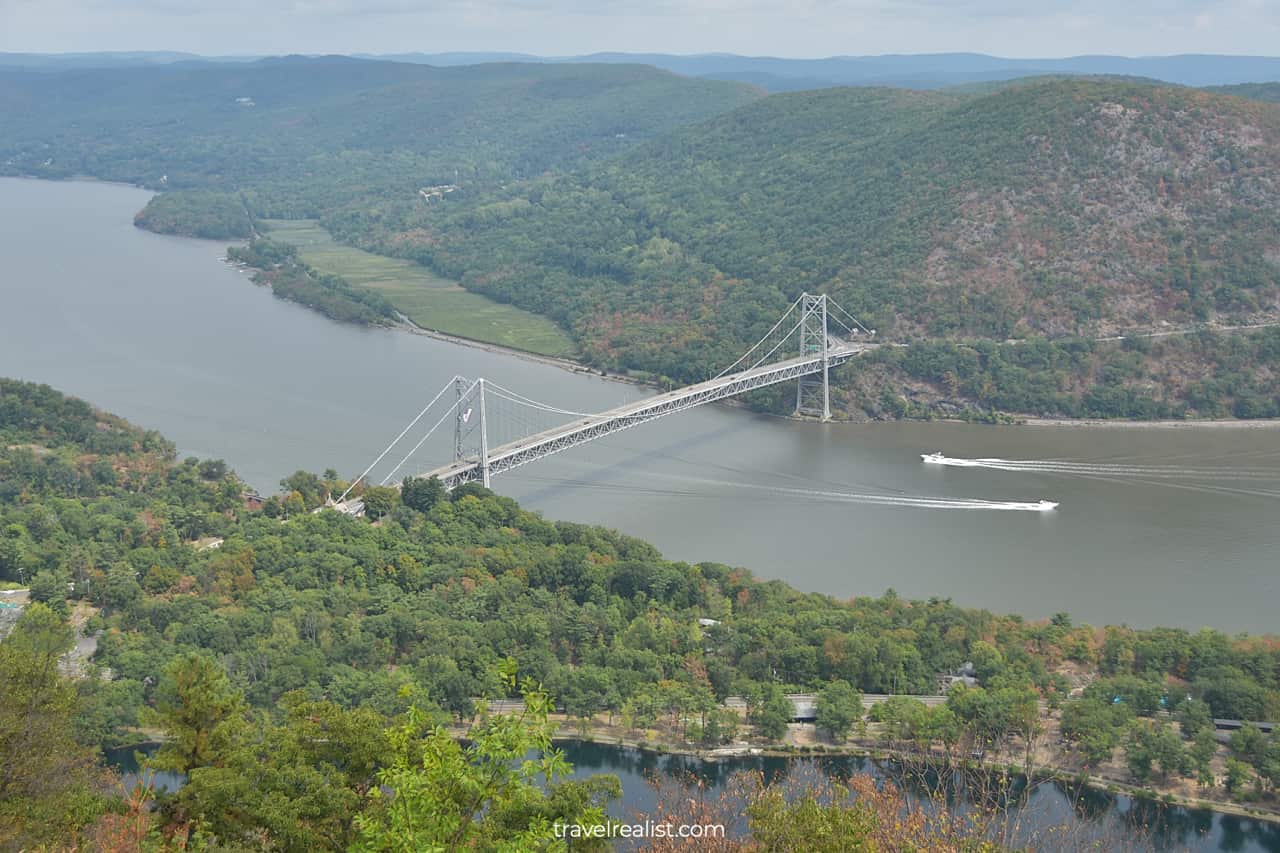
566,364
577,367
790,752
1206,423
87,179
719,755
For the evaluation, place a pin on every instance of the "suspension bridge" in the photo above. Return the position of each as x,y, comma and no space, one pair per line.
801,346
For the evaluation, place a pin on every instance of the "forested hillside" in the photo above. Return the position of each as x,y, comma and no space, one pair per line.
303,136
312,618
1055,208
666,222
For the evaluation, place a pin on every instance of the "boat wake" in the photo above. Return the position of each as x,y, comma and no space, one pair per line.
1216,481
744,489
931,503
892,500
1064,466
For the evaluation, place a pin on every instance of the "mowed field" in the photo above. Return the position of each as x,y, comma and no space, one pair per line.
425,298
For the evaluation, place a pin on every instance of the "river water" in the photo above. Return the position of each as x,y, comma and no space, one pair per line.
1155,526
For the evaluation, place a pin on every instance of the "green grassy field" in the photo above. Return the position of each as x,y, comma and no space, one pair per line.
425,298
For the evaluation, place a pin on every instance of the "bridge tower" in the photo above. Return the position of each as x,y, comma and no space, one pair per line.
484,441
469,416
813,392
459,390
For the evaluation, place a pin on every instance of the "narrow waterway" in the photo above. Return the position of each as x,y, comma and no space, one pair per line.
1154,526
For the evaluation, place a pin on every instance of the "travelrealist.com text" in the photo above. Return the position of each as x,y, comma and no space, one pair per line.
648,829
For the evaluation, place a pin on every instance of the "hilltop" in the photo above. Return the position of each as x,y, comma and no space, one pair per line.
293,137
1061,209
782,74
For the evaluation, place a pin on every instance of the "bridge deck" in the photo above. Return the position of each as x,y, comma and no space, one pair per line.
516,453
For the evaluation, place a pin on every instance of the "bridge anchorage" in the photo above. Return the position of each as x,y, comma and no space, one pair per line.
483,411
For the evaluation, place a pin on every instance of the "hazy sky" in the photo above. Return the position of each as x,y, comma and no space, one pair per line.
805,28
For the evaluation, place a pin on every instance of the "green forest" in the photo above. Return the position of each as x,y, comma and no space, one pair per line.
665,222
1137,378
934,217
207,214
291,658
297,137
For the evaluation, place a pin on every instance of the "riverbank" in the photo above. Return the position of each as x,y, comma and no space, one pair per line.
881,752
579,368
1226,423
407,325
403,323
801,743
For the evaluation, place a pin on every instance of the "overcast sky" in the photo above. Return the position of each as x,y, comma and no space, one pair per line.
799,28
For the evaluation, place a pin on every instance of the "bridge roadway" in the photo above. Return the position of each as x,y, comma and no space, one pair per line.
523,451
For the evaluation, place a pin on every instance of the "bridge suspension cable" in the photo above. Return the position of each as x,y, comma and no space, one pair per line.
855,320
521,399
434,426
761,360
396,441
743,357
493,388
777,325
514,397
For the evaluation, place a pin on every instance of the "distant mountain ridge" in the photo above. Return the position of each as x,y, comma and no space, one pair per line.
946,69
106,59
925,71
295,136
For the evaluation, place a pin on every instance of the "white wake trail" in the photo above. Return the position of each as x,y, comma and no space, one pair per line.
886,500
1114,469
743,489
